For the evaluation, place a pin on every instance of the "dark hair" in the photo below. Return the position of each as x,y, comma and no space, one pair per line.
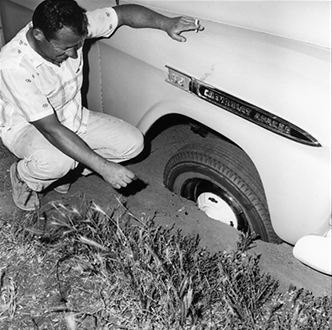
50,16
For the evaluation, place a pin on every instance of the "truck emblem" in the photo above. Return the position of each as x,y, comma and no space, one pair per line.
240,108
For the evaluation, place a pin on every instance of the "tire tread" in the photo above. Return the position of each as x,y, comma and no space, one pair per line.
236,166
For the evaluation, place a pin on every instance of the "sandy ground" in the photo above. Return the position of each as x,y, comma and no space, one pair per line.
148,197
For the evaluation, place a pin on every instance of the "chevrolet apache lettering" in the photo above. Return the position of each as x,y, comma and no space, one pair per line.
216,97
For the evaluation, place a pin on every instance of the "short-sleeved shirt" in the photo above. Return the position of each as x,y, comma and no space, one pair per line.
32,88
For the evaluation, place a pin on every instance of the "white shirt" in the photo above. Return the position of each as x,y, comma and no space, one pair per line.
32,88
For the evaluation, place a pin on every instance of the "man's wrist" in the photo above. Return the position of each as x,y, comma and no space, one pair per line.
164,23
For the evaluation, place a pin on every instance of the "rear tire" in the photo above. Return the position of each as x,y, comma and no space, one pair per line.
224,182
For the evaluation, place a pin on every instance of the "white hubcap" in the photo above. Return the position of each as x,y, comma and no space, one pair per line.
216,208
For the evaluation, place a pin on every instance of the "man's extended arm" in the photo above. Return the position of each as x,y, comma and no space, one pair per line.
73,146
141,17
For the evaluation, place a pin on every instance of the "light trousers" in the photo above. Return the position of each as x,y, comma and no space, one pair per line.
41,163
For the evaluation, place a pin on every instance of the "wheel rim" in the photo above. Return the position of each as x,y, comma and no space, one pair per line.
216,208
216,202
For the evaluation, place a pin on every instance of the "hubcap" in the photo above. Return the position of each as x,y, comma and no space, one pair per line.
216,208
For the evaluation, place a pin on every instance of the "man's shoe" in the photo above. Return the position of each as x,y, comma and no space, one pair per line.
24,197
62,189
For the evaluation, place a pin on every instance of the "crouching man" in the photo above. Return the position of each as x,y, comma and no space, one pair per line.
42,120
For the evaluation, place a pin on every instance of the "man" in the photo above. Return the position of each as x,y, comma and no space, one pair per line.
42,120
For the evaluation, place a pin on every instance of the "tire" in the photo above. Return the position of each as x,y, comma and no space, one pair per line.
224,182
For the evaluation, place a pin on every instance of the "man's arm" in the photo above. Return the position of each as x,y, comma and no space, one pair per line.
137,16
73,146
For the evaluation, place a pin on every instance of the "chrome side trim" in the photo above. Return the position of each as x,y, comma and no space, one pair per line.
240,108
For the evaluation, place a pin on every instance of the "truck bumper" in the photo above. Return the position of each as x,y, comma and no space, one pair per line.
315,252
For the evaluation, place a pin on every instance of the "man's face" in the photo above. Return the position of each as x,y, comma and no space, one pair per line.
64,45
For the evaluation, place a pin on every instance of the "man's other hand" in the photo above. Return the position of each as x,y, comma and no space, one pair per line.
175,26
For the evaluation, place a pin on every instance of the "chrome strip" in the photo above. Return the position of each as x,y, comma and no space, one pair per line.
240,108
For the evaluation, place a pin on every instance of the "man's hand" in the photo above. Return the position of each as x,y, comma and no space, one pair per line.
137,16
175,26
117,175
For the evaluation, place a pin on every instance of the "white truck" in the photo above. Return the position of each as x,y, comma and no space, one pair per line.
256,82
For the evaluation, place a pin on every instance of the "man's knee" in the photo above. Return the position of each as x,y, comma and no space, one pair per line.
49,165
135,144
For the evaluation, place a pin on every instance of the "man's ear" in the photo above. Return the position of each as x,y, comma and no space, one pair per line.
38,34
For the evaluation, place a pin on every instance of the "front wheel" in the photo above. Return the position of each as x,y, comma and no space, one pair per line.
223,181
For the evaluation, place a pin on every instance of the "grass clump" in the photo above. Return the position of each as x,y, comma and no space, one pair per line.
112,270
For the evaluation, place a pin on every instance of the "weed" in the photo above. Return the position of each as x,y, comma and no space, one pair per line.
112,270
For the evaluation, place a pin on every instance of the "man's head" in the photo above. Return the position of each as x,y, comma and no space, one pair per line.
52,15
59,29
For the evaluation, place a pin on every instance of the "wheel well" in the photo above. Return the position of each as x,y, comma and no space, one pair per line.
170,120
200,131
